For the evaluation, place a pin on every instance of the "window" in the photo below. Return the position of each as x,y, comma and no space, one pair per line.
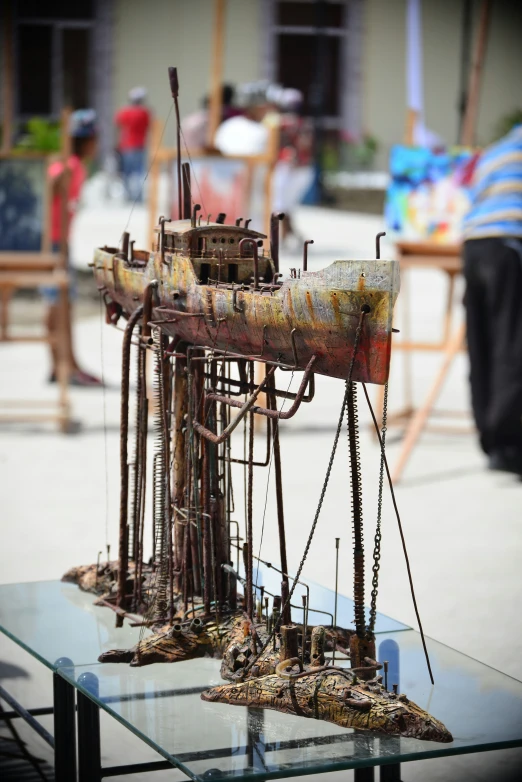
296,50
53,43
34,45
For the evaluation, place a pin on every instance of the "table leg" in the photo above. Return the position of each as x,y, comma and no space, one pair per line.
89,747
391,773
64,730
364,774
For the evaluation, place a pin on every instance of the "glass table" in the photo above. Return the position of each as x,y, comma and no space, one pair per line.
161,703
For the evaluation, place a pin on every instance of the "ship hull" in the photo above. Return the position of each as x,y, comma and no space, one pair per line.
314,315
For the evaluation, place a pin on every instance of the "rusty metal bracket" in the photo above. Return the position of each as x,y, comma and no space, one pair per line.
245,408
276,414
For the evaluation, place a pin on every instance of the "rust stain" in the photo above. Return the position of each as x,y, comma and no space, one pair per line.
361,283
335,306
310,305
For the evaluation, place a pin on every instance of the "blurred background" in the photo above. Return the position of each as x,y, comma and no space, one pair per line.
362,116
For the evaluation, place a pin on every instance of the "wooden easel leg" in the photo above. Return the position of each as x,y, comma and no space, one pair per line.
406,335
6,295
448,317
418,421
62,356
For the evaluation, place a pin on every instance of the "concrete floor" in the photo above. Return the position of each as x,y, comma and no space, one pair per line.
59,493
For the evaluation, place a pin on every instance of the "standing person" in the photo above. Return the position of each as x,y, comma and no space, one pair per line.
194,127
82,130
133,123
493,272
245,133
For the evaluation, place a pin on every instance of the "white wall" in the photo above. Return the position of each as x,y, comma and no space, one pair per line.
384,68
150,35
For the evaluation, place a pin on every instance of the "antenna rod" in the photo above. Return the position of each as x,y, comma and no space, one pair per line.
335,600
174,89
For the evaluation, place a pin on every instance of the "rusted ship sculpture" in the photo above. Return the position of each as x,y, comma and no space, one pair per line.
208,302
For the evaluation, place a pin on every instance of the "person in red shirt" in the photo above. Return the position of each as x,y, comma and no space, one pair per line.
82,130
133,123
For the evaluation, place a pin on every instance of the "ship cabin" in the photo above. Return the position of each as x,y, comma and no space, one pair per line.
220,254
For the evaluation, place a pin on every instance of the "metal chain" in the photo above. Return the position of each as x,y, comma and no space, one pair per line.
352,420
378,535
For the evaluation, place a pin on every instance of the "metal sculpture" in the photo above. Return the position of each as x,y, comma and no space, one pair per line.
208,302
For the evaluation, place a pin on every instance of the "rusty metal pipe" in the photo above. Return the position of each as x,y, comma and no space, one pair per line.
244,388
245,408
124,467
286,618
162,222
272,413
253,243
378,244
305,254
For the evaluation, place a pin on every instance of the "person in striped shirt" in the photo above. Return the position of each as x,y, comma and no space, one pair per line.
492,254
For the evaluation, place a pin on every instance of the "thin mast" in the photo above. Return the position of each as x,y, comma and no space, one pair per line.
174,88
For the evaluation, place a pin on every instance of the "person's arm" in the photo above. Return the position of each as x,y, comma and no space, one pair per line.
56,175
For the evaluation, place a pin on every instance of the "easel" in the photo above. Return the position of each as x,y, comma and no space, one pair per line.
36,269
164,156
446,259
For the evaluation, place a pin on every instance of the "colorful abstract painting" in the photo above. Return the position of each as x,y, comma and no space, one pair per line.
428,194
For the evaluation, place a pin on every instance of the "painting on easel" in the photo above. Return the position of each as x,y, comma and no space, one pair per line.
22,204
428,193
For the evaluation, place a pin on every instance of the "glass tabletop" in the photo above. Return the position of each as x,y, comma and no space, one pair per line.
161,704
52,620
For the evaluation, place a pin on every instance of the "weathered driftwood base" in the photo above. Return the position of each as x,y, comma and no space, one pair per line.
199,638
90,578
330,694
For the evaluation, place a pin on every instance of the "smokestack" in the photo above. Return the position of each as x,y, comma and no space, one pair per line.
186,191
274,238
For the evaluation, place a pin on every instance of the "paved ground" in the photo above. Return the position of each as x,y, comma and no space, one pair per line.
461,522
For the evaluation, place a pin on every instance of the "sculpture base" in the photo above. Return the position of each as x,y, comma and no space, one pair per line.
333,695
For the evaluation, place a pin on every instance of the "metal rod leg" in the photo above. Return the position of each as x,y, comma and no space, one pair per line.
64,730
89,750
391,773
364,774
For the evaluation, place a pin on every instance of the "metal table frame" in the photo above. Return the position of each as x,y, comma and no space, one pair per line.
85,732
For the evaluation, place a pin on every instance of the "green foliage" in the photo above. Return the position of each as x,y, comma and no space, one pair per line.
359,155
41,136
507,123
364,152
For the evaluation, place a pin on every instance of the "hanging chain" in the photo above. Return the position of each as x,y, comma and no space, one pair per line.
378,535
352,420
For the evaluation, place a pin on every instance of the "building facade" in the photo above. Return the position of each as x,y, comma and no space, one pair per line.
94,51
